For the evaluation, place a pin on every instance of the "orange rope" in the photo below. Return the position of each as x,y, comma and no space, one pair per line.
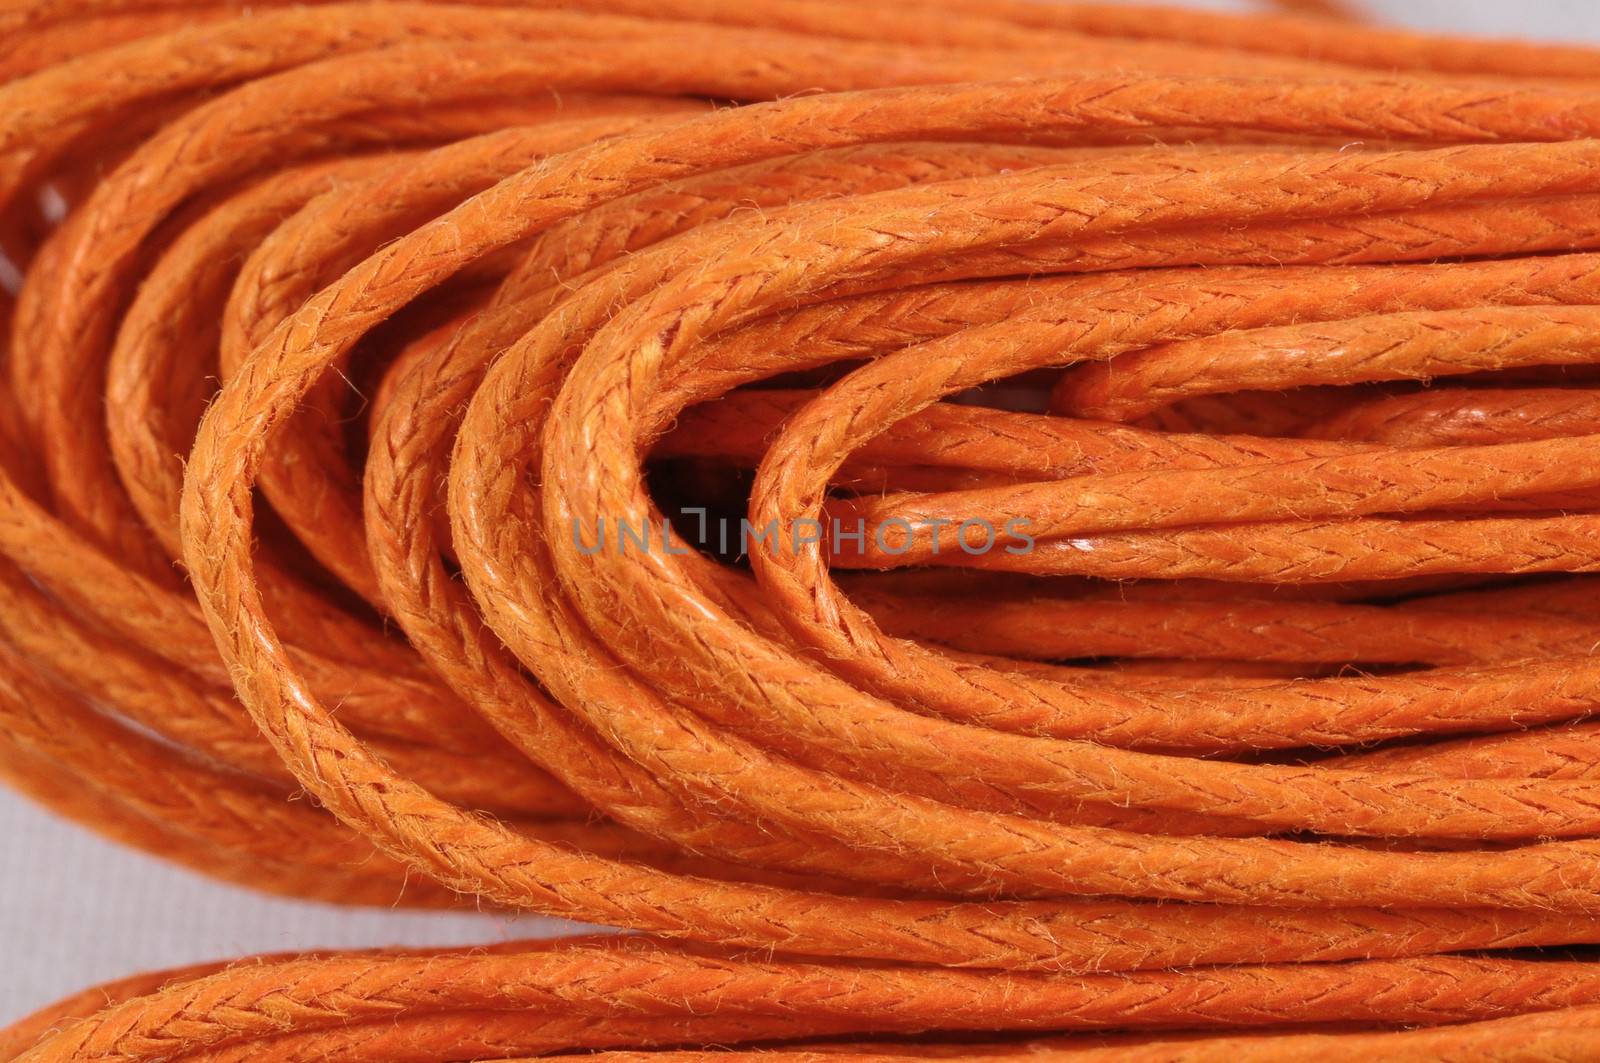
1019,465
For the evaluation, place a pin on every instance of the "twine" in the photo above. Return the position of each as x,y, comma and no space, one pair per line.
1241,712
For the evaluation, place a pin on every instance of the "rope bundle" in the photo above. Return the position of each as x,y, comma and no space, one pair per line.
1244,366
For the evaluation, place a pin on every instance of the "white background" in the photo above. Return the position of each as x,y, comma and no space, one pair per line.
75,910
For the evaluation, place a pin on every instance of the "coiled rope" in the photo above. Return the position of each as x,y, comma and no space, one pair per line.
1245,365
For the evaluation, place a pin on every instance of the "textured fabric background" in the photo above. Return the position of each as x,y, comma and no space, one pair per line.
75,910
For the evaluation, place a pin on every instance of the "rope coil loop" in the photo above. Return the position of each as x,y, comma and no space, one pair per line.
972,529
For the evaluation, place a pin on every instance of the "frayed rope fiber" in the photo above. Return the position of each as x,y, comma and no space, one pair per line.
974,528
